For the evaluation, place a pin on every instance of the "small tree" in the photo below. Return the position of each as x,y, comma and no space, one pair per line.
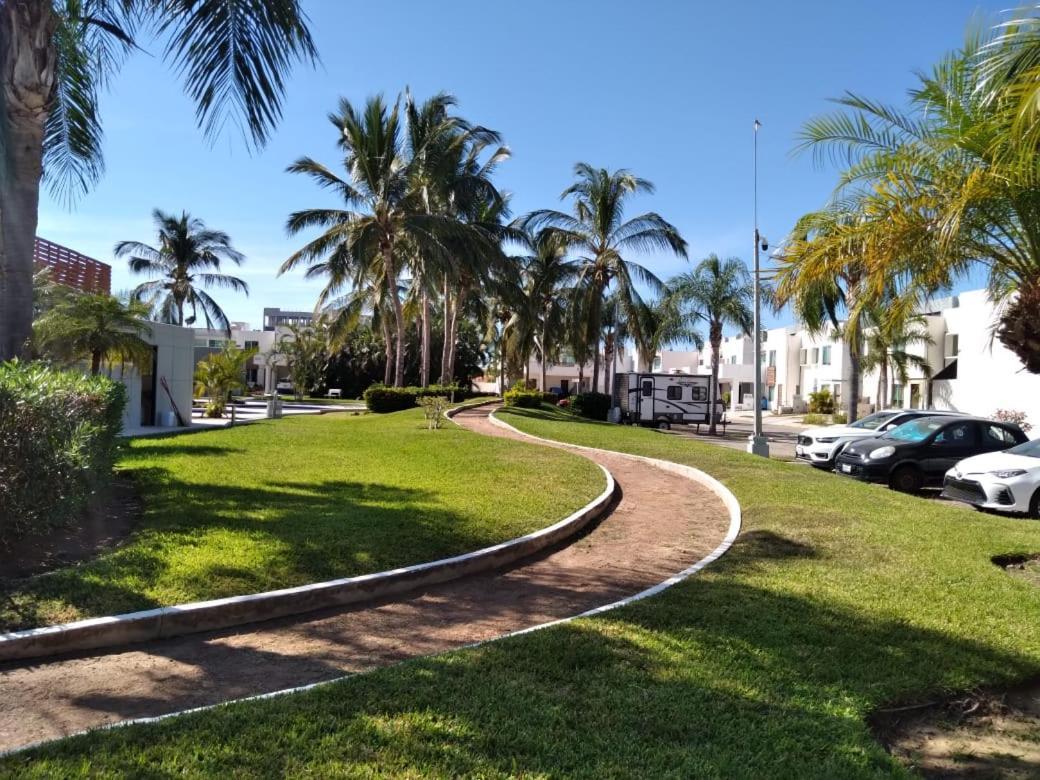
306,354
219,374
96,327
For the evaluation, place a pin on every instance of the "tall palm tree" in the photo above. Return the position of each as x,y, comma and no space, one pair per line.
95,326
596,229
720,293
383,221
663,322
887,339
948,183
55,56
186,261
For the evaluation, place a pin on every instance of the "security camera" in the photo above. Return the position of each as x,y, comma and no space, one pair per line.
765,243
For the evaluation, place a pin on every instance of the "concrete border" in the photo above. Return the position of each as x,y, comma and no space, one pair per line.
726,496
164,622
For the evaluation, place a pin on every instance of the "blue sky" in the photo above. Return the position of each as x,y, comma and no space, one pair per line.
667,89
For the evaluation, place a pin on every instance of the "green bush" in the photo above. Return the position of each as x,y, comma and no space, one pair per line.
595,406
821,402
528,399
382,399
58,440
815,419
840,418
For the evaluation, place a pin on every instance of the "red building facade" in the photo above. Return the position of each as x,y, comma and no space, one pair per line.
73,269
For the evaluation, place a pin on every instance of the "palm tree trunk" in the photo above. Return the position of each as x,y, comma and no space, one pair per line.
27,65
852,406
388,350
95,363
883,384
390,271
543,361
427,335
453,341
445,319
715,336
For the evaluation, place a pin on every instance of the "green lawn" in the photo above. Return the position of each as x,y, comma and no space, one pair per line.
305,499
838,598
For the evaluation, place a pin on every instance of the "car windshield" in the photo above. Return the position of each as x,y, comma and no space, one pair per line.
873,421
1029,448
915,430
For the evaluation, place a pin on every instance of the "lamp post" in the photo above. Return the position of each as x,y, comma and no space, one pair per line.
757,443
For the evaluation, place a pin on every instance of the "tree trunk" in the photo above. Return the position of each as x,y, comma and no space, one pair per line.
388,350
543,361
445,318
95,363
715,336
27,65
453,340
852,406
883,385
390,271
581,376
427,347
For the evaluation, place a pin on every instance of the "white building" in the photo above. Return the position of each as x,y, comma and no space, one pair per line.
155,390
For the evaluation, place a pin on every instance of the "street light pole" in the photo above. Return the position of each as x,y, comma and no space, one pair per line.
757,443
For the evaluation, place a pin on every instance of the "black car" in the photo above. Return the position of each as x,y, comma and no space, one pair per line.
920,452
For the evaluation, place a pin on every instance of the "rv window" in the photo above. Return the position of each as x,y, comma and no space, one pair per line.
674,393
700,393
648,388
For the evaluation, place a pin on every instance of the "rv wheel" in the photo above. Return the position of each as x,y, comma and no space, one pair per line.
664,425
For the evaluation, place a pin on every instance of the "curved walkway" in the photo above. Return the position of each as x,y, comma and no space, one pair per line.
662,524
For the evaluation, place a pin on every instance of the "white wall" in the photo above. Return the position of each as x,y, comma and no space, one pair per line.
175,360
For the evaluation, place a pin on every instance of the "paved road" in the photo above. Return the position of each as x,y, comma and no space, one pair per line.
661,525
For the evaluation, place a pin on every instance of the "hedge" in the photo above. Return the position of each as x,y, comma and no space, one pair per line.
528,399
595,406
381,399
58,440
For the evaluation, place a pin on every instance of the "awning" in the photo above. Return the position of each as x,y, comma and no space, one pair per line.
949,372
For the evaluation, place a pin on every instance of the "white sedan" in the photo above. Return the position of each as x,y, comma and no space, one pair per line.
1007,481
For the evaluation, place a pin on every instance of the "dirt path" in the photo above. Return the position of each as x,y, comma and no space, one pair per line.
662,524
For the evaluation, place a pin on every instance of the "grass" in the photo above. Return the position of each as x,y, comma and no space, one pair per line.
837,598
301,500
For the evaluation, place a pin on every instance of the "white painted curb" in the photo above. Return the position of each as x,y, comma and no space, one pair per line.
696,475
195,617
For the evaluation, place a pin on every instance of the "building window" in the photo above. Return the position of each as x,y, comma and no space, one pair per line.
803,357
815,356
674,393
733,360
772,357
826,356
253,345
951,348
657,364
897,395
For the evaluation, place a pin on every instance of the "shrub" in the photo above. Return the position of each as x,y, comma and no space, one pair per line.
1013,416
382,399
528,399
821,402
840,418
815,419
58,440
595,406
434,407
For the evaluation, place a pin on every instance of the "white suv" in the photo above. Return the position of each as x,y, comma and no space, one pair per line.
820,446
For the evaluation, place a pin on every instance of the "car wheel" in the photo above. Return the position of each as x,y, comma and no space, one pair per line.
1034,506
906,479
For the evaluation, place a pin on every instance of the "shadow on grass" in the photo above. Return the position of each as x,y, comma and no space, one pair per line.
202,541
713,678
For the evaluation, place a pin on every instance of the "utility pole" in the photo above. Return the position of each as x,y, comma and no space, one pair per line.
757,443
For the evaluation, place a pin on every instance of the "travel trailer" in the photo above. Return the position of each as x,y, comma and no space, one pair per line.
663,399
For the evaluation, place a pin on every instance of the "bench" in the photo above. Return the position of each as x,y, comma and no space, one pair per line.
335,392
722,421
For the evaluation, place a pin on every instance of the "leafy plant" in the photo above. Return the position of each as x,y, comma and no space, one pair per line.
382,399
219,374
1013,416
821,402
58,440
97,327
527,399
595,406
815,419
434,407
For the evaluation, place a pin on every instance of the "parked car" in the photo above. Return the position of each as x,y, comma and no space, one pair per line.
1007,481
820,446
285,386
920,452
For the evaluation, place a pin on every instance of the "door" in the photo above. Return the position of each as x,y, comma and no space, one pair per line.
565,386
915,395
646,399
952,444
149,385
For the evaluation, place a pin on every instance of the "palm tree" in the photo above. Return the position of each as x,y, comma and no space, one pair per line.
886,338
390,224
720,293
187,260
949,183
596,230
663,322
219,374
96,326
234,56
